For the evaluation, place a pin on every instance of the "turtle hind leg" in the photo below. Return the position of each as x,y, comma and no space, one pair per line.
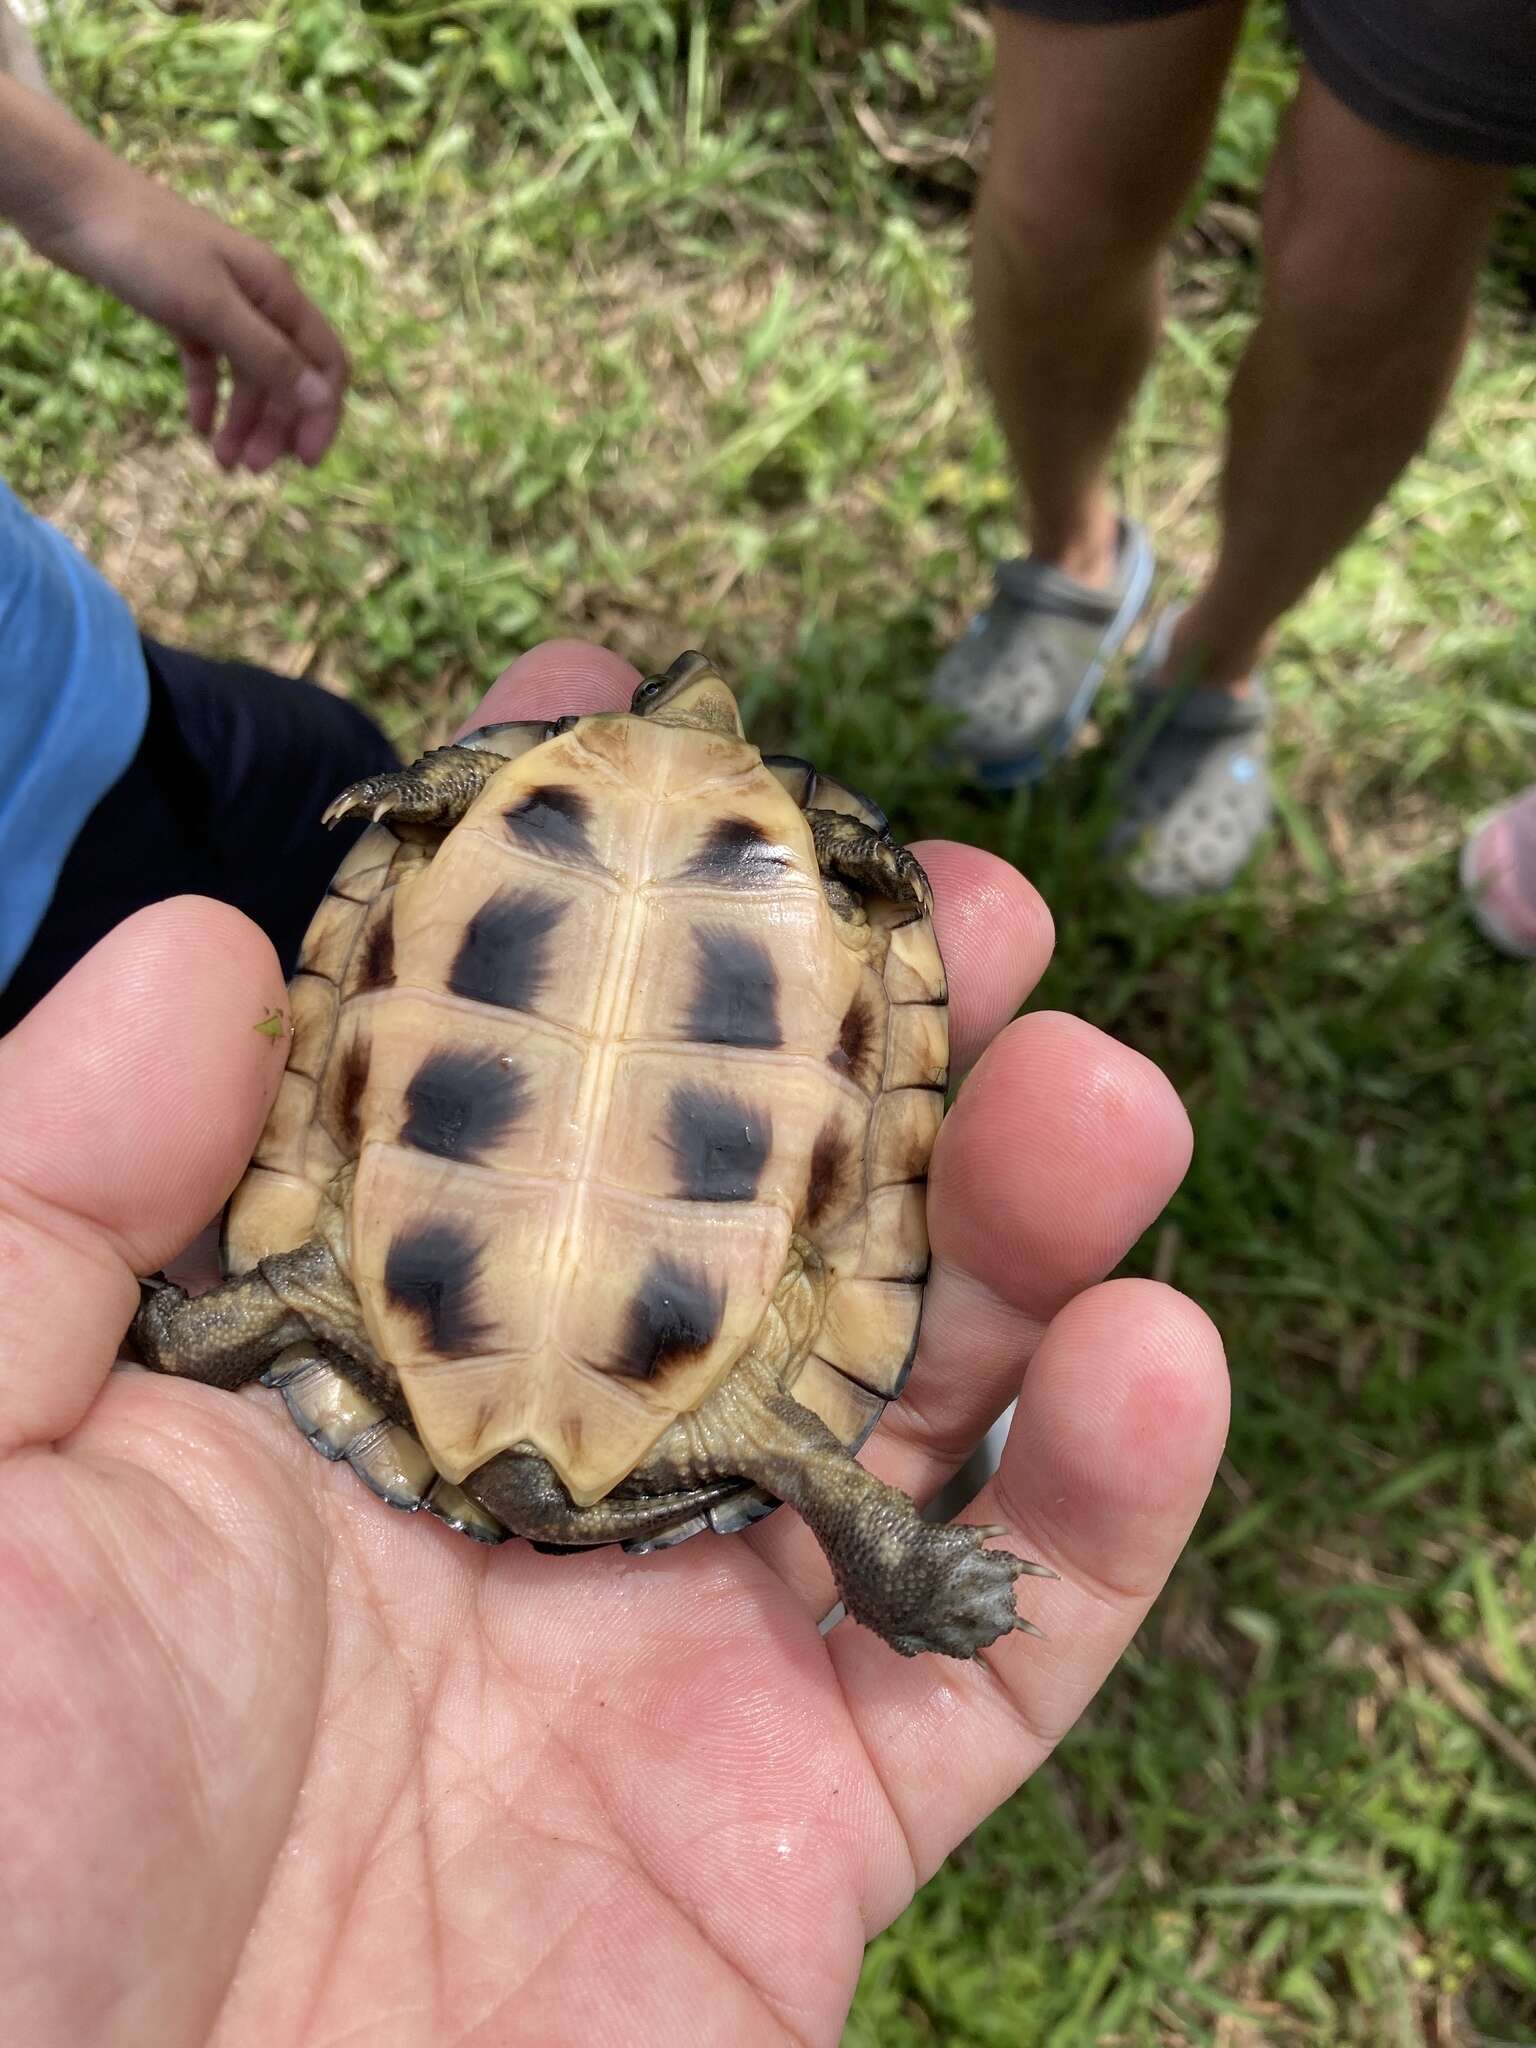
921,1586
234,1332
224,1338
852,853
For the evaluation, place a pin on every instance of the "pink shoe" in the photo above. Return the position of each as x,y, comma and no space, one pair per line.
1498,873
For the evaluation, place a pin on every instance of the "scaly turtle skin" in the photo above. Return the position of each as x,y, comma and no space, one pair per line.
591,1206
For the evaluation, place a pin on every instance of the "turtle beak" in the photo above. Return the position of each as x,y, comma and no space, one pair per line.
692,692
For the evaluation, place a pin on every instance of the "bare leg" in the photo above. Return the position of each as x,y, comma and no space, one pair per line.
1099,135
1372,251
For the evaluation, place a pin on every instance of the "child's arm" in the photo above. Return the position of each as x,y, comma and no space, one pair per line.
222,296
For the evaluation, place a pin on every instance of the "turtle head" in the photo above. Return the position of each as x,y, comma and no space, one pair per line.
692,692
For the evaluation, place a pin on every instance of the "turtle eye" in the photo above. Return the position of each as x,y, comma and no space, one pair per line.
648,692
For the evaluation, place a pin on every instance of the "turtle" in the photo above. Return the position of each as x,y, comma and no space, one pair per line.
591,1205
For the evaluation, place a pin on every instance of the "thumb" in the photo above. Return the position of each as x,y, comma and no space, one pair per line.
130,1099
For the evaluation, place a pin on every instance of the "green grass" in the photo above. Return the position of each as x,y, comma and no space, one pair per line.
655,344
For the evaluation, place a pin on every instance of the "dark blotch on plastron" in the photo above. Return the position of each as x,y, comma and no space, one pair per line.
430,1275
829,1166
553,822
738,854
736,995
460,1104
351,1080
675,1315
853,1038
503,955
376,957
720,1145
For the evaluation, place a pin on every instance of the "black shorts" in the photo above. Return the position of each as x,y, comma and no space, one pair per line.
1456,77
223,798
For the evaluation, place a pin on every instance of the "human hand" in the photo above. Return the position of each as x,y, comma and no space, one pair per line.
282,1764
227,300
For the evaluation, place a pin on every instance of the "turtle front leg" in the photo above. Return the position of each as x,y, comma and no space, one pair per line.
921,1586
851,852
436,790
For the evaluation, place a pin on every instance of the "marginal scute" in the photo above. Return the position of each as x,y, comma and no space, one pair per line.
282,1143
914,971
332,933
918,1055
871,1331
903,1128
313,1002
849,1410
365,864
896,1233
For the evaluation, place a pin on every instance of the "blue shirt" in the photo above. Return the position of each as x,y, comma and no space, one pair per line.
74,698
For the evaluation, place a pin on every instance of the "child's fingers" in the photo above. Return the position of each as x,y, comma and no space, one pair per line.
270,437
200,367
272,291
239,422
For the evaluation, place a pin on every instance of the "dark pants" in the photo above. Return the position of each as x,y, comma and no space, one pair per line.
222,799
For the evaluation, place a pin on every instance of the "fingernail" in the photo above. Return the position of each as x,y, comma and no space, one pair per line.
312,391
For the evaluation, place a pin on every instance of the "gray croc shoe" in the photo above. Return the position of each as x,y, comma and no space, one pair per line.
1025,674
1194,796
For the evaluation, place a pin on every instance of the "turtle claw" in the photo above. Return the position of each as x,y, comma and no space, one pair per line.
436,790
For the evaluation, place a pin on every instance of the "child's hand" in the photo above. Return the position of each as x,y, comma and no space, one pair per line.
227,300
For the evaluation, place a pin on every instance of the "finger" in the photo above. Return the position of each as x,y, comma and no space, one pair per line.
244,411
130,1099
1119,1430
1062,1148
554,679
315,430
270,436
273,292
995,937
200,367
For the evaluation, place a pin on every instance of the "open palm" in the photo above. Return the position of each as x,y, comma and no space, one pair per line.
283,1766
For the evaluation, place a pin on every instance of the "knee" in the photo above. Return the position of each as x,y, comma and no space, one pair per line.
1066,233
1348,280
1072,214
